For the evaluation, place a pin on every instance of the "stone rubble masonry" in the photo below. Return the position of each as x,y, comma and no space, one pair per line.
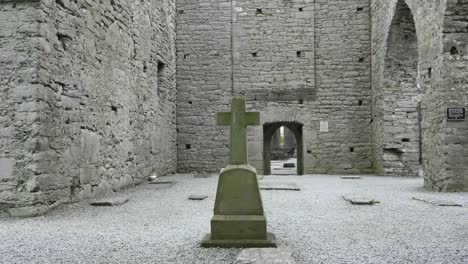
296,61
88,97
441,76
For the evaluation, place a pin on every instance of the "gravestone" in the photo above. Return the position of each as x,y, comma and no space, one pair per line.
239,219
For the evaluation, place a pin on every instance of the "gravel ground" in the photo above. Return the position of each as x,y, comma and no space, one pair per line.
160,225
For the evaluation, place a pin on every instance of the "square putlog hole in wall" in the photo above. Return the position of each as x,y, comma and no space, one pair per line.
258,11
188,146
254,54
300,54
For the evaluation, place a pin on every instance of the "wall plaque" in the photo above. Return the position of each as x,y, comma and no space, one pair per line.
456,113
323,126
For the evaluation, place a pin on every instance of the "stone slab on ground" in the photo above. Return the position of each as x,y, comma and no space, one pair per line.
265,256
351,177
359,199
437,202
202,176
111,201
279,186
162,182
197,197
30,211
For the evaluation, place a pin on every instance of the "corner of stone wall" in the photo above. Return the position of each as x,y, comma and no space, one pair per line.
24,107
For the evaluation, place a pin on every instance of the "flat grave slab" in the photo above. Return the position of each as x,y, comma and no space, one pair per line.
359,199
350,177
30,211
289,165
197,197
279,186
110,201
437,202
162,182
265,256
202,176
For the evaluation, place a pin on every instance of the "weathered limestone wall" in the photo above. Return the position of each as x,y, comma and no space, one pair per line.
455,80
443,156
400,96
20,100
300,61
106,96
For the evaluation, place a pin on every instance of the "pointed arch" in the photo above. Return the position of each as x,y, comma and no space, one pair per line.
401,135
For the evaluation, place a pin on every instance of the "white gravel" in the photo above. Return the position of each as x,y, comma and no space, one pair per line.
160,225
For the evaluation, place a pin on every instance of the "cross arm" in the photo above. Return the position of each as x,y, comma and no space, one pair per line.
223,119
252,118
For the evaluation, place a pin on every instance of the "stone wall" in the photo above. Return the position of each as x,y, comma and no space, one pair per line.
297,61
455,80
105,95
401,96
21,107
442,142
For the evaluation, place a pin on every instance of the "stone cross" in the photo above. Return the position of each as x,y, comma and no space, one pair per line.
238,119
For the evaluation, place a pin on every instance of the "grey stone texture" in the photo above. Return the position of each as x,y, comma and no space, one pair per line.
89,101
439,37
88,97
295,61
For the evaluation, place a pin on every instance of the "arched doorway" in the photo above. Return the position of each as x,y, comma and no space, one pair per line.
401,133
269,132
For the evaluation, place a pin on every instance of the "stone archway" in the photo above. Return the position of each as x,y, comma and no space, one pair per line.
269,130
401,122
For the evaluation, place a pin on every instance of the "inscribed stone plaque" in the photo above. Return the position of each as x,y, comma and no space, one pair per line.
456,113
6,168
323,126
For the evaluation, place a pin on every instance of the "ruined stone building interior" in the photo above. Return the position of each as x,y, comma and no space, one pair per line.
98,96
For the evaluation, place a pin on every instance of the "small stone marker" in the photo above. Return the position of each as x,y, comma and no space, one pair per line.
265,256
280,186
111,201
437,202
239,219
359,200
350,177
197,197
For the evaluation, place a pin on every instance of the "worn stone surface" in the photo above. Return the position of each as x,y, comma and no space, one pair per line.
29,211
88,96
296,61
265,256
359,199
351,177
280,186
239,219
437,202
197,197
110,201
434,37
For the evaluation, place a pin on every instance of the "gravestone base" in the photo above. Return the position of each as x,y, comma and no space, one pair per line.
268,242
238,220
